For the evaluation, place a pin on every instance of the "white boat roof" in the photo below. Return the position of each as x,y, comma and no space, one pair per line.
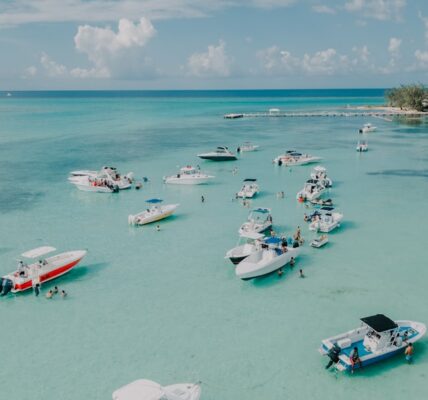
187,168
139,390
320,168
252,235
38,252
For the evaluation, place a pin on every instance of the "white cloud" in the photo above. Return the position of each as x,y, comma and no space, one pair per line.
394,47
103,46
52,68
214,62
362,54
378,9
323,9
29,72
421,59
324,62
425,22
16,12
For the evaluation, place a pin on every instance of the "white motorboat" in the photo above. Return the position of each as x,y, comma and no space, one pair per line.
259,220
271,257
40,269
144,389
292,157
108,180
246,147
155,212
188,176
252,243
326,220
311,191
377,339
322,202
362,145
222,153
320,173
249,189
319,241
367,128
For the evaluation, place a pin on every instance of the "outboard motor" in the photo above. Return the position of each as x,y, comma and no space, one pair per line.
7,286
279,162
333,353
115,188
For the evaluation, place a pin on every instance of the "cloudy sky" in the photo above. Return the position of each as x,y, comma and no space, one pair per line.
212,44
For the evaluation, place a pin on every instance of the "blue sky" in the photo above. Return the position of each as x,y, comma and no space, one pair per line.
212,44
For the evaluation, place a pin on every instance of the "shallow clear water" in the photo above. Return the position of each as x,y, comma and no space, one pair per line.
166,305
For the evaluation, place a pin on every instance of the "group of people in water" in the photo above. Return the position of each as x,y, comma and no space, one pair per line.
55,291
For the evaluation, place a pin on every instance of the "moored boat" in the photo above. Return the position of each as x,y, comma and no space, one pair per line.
188,176
144,389
326,220
319,173
311,191
40,271
155,212
367,128
247,147
377,339
291,158
222,153
249,189
259,220
272,256
252,243
319,241
362,145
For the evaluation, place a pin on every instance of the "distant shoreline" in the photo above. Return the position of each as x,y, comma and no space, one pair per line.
384,108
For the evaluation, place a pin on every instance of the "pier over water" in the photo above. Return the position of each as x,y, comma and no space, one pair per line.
363,114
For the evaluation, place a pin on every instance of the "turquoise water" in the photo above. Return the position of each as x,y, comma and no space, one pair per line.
166,305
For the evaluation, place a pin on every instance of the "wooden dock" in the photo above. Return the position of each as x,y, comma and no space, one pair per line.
331,114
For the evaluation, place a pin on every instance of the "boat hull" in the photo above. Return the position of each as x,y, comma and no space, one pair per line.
186,181
217,158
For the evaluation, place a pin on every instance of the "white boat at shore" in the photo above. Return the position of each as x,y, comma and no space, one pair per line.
311,191
292,158
319,241
144,389
249,189
188,176
259,220
326,220
362,146
271,257
155,212
367,128
377,339
319,173
40,269
247,147
252,243
222,153
108,180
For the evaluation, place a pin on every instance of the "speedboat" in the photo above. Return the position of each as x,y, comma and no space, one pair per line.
376,339
247,146
188,176
242,250
249,189
326,220
320,173
292,157
144,389
312,190
367,128
222,153
271,257
362,145
155,212
319,241
39,269
108,180
259,220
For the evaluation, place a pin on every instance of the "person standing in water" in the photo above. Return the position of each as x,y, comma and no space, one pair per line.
409,353
202,199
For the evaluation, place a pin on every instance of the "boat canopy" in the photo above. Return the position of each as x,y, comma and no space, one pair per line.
262,210
290,151
273,240
222,148
313,181
252,235
379,323
327,208
38,252
154,201
250,180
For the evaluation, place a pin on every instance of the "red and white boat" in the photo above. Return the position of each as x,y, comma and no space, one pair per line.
40,271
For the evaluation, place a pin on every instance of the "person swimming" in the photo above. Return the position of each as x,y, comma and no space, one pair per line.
301,274
63,293
49,294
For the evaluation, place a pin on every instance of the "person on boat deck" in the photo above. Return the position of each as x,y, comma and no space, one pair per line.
354,357
333,354
22,269
284,246
409,353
